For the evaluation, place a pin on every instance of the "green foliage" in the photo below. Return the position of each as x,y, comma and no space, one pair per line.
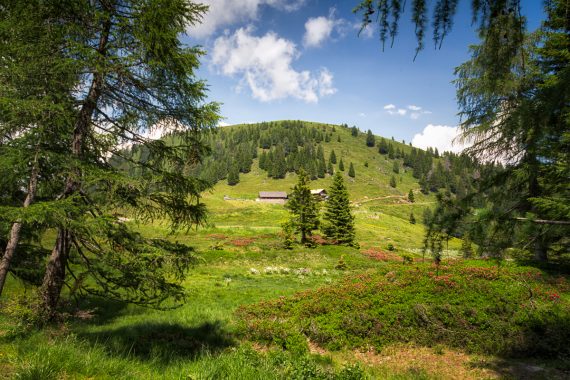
370,139
133,75
412,218
341,264
393,181
233,176
351,172
531,70
407,258
390,247
466,247
406,305
341,165
332,157
288,230
338,222
411,197
396,167
354,131
303,208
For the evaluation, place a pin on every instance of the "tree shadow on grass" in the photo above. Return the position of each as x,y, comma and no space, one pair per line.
162,342
527,370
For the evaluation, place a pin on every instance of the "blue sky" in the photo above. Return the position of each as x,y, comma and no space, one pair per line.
302,59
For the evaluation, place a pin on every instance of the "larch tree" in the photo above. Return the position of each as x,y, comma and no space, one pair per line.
514,100
338,221
132,75
304,208
35,108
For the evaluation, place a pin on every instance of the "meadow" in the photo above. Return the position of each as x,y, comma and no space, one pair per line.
257,311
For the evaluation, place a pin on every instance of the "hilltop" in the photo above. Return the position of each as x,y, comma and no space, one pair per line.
382,211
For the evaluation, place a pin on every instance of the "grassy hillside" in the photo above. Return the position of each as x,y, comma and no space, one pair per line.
382,212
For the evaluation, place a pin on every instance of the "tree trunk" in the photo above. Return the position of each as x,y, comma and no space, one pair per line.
55,273
540,250
17,226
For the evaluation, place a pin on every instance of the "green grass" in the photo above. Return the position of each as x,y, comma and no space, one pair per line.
242,266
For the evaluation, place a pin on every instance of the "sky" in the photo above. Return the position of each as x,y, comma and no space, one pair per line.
304,60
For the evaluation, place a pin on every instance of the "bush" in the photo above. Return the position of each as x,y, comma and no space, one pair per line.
518,312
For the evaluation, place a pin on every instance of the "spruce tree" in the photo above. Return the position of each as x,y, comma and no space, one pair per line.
411,198
330,168
396,167
332,157
341,165
412,218
383,146
233,175
351,172
370,139
303,208
354,131
393,181
338,222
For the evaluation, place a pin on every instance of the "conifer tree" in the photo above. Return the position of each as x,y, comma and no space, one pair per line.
412,218
330,168
338,222
233,175
338,138
354,131
351,172
130,74
411,197
332,157
393,181
303,208
466,247
396,167
391,152
383,146
341,165
370,139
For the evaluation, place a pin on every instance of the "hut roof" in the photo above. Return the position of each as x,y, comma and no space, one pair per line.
273,194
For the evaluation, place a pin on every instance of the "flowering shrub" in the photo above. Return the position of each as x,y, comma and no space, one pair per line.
466,307
242,242
380,255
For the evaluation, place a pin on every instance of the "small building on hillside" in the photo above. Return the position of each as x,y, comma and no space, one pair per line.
277,197
320,194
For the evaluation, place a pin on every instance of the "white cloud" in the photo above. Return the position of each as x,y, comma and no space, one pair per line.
368,30
319,29
438,136
414,111
223,124
227,12
362,114
264,63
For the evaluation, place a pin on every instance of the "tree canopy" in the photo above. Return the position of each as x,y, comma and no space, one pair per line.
119,71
